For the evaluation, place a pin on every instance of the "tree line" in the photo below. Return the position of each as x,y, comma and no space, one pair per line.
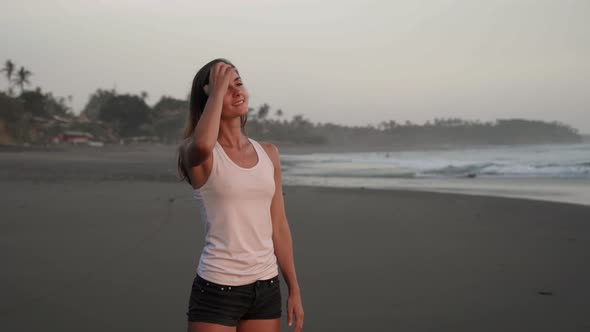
34,116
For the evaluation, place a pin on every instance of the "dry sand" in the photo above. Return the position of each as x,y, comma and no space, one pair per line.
90,243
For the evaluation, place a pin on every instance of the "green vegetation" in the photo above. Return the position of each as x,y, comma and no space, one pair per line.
37,117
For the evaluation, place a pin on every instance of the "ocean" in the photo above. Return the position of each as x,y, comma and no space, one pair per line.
557,172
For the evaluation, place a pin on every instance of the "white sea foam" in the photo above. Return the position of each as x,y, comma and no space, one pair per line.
551,172
544,161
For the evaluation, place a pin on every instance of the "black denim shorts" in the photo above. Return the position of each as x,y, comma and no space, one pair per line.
226,305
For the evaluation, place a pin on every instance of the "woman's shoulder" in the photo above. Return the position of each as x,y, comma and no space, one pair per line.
272,151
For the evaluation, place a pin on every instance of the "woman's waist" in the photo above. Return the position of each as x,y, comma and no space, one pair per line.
237,254
236,272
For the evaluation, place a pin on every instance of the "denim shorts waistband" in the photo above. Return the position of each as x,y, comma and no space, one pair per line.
256,283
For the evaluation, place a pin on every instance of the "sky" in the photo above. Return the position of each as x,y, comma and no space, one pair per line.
346,62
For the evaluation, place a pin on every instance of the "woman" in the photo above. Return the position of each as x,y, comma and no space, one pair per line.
237,183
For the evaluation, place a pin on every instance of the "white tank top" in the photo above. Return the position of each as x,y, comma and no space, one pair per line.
235,206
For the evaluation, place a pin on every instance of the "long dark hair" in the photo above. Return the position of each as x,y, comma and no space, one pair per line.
197,102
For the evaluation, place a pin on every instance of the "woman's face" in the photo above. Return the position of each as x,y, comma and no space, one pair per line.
235,102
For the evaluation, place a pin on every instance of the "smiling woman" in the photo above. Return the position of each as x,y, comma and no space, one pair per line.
237,185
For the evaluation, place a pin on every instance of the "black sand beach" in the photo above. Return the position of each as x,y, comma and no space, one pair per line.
109,241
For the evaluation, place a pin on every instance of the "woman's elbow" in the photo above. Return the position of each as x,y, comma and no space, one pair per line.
198,152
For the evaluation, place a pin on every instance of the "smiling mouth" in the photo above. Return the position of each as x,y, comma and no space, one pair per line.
238,103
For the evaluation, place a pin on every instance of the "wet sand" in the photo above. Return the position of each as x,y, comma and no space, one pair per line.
95,243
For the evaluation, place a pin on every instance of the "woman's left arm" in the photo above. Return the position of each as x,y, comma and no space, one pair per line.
283,244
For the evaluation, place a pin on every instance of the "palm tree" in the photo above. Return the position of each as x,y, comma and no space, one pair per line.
263,111
22,78
144,95
9,70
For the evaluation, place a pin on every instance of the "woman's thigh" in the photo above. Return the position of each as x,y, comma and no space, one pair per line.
259,325
209,327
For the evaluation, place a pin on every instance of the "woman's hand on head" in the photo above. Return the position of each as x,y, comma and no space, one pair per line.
219,78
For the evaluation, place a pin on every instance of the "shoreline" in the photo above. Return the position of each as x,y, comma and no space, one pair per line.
149,163
576,195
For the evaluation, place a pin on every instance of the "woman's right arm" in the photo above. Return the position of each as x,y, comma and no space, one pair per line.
198,147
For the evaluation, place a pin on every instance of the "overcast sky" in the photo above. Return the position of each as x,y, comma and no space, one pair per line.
348,62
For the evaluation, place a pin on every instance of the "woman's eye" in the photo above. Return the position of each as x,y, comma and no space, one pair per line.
240,84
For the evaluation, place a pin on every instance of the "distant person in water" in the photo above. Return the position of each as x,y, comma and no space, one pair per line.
237,184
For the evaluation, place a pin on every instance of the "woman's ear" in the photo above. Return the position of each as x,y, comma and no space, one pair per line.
206,89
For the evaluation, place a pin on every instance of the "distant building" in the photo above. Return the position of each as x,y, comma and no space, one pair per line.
73,137
62,119
83,118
